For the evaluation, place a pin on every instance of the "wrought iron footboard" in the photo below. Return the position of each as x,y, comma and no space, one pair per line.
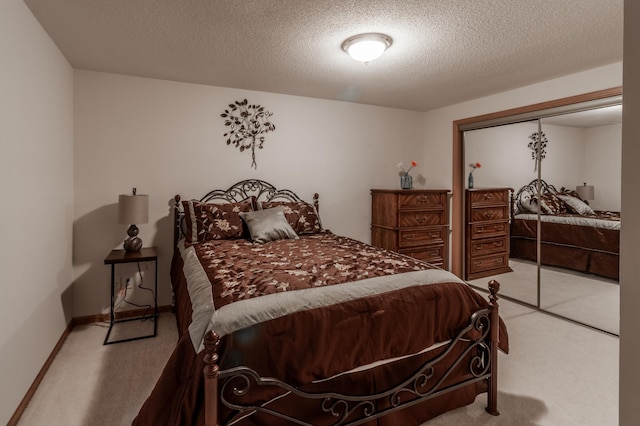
357,409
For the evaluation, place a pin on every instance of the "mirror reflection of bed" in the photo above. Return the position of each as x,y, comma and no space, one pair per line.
578,273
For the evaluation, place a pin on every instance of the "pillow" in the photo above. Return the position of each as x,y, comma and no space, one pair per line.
530,205
570,192
576,204
551,204
268,225
208,221
302,216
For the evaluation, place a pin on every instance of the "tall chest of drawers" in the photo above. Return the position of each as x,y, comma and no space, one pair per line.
487,232
413,222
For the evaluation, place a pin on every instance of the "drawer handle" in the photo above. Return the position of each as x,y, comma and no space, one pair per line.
421,219
497,243
488,196
498,261
421,198
487,215
434,235
479,246
434,253
408,237
494,228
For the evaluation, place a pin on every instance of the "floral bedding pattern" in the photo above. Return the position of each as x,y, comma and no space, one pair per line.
598,214
240,269
209,221
302,216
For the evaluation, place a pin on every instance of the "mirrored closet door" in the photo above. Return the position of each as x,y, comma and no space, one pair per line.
580,227
562,174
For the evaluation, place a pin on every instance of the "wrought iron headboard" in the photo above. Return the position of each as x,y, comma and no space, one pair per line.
243,190
527,192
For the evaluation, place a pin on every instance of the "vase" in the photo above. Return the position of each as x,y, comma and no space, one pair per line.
406,182
470,181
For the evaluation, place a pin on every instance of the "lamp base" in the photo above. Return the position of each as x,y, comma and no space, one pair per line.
132,244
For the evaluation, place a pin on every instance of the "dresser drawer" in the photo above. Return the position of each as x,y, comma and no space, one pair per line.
487,263
412,219
488,197
488,246
421,237
489,213
431,254
484,230
435,200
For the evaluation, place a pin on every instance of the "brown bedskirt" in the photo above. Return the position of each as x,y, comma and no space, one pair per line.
579,248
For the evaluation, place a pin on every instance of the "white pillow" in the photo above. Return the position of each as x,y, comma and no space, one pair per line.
268,225
530,205
578,205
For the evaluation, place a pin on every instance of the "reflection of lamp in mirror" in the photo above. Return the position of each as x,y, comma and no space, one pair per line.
586,192
133,209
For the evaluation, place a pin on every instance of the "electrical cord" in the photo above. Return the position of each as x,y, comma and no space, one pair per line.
146,314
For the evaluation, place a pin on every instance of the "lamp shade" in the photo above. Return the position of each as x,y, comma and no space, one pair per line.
133,209
586,192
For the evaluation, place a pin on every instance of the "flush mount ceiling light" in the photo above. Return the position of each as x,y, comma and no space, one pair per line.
366,47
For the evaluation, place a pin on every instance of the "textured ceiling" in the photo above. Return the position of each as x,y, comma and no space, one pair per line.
443,52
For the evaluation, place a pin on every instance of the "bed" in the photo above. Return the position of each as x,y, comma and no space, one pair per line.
573,236
312,328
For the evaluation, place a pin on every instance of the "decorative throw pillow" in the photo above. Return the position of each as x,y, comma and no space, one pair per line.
530,205
209,221
302,216
576,204
551,204
570,192
268,225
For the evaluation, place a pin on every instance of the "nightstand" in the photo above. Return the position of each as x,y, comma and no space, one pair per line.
117,257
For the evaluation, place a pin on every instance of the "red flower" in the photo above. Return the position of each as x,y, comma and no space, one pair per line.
401,166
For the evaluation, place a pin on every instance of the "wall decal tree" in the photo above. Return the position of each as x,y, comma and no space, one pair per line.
248,124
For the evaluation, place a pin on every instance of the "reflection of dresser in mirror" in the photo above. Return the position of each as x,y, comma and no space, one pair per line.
487,232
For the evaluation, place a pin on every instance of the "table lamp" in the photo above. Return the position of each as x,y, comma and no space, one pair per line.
586,192
133,209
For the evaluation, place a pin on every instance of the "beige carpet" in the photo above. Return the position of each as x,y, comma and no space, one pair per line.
585,298
557,373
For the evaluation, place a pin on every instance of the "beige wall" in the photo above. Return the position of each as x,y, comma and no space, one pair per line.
166,138
629,251
36,175
603,163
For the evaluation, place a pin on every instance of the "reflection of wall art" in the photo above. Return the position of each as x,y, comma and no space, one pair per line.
537,145
248,124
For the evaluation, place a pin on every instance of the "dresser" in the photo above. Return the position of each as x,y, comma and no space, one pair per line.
487,232
414,222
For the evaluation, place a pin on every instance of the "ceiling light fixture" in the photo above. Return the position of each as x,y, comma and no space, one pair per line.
366,47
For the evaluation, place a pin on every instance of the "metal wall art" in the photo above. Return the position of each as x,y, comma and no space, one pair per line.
248,124
537,145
